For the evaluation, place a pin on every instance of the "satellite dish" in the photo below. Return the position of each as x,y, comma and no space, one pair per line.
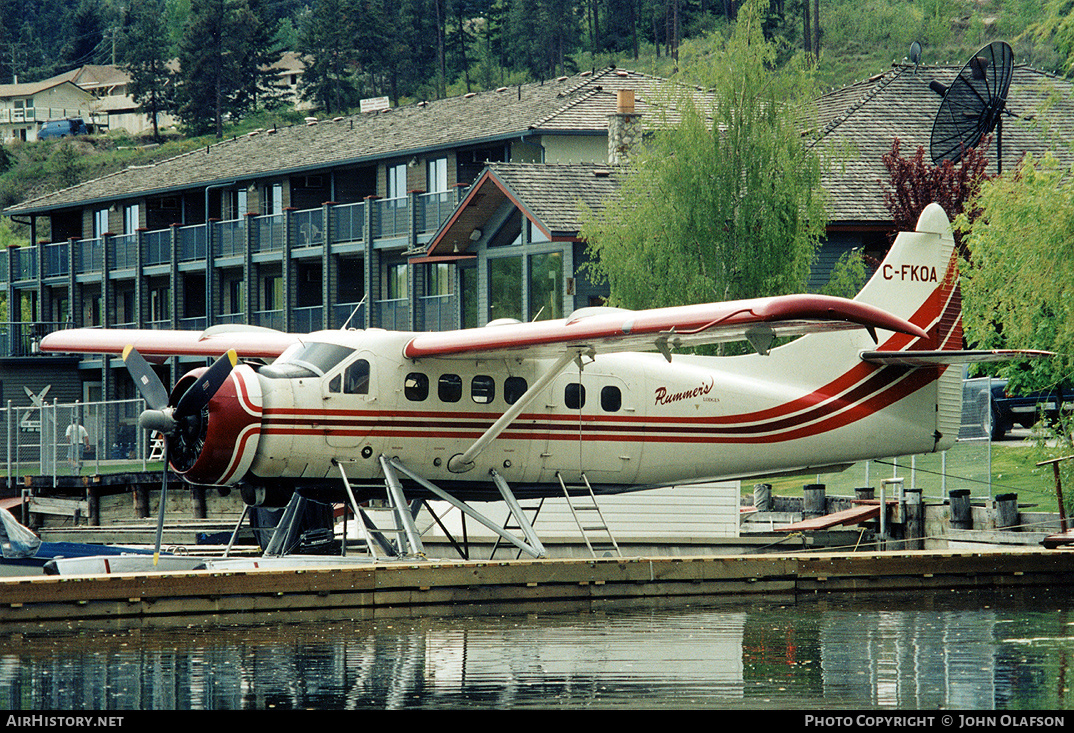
974,104
915,55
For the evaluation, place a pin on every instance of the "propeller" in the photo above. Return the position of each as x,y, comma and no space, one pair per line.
182,425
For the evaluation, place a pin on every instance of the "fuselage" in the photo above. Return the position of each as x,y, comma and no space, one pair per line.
628,421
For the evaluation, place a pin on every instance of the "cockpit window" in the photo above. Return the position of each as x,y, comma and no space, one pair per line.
306,360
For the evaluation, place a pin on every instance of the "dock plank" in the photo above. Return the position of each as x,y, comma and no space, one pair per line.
854,515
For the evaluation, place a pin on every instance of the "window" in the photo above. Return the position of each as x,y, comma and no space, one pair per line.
574,396
449,388
505,288
100,222
397,181
416,387
354,378
436,175
611,399
308,360
513,389
546,286
439,279
272,287
483,389
273,199
395,281
130,219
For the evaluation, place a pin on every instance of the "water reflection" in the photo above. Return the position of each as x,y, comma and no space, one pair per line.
957,650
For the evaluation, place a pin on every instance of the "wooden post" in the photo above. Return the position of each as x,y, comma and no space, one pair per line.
864,493
762,497
1007,511
141,501
815,504
197,502
915,520
961,510
93,498
1058,490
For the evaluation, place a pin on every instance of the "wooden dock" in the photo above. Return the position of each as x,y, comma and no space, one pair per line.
473,588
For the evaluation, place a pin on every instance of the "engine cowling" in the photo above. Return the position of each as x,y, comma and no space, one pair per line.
217,445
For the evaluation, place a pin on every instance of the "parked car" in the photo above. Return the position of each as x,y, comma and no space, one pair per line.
1009,409
62,128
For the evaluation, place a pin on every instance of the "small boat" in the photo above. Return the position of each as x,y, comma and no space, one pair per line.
23,553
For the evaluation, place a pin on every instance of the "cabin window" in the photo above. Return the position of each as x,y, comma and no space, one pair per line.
449,388
483,389
416,387
513,389
611,399
355,379
574,396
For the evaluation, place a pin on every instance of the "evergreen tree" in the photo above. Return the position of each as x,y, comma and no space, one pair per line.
326,43
85,26
215,78
147,62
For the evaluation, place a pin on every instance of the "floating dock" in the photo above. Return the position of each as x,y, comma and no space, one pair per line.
367,589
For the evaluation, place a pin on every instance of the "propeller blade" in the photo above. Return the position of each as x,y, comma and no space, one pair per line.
199,394
163,501
149,384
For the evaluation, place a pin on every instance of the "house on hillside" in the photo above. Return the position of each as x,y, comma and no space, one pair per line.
24,108
108,84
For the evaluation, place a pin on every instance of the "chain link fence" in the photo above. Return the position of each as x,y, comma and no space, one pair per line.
53,439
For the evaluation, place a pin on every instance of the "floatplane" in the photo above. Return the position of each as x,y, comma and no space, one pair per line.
604,399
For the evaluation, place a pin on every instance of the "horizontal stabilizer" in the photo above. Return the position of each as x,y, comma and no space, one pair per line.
934,358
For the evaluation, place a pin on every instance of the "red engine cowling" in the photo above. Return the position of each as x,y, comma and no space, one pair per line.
217,445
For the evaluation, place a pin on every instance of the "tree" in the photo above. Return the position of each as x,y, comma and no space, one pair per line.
725,201
915,183
326,42
1019,283
215,72
147,62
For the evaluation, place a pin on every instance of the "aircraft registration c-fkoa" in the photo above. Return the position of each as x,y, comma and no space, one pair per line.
600,393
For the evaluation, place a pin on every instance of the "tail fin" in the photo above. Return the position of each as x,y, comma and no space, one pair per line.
918,281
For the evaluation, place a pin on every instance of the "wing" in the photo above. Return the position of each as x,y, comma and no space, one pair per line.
933,358
606,330
250,342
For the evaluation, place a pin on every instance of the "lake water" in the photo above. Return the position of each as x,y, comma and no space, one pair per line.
957,650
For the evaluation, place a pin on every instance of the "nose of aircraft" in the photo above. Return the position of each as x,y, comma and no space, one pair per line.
211,422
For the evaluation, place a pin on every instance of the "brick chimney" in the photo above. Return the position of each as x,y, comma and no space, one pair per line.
624,128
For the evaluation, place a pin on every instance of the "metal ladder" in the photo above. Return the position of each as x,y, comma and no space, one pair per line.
581,508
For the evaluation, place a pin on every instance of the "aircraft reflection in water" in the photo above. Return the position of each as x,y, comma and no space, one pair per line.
991,652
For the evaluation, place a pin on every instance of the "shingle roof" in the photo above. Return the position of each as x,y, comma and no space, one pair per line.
552,195
899,103
579,104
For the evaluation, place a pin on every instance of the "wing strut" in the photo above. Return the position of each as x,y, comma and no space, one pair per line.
463,462
533,547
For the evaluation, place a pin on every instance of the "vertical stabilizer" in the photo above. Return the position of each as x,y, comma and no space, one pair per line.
918,280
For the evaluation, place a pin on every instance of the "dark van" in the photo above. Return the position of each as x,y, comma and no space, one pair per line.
62,128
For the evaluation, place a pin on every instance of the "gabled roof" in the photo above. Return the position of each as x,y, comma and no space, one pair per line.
868,116
549,195
29,89
578,104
